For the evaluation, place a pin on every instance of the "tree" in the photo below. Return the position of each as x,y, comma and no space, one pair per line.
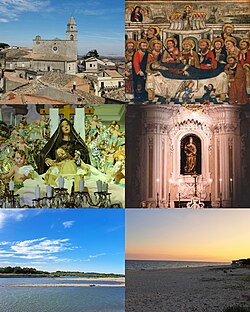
4,45
92,53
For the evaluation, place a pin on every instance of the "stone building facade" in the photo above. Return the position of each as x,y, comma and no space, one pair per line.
56,54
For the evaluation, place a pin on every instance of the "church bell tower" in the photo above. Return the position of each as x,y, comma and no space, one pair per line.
72,30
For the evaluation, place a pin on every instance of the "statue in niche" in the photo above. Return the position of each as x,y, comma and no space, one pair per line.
190,150
190,155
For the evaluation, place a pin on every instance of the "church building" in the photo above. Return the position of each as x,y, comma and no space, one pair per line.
56,54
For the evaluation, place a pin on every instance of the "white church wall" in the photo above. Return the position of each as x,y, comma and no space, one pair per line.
47,66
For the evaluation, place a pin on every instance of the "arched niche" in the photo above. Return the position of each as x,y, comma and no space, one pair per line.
191,153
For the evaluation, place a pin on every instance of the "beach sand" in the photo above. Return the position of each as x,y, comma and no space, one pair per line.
203,289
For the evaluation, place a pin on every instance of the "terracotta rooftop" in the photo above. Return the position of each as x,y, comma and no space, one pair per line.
116,94
52,86
12,76
113,74
13,98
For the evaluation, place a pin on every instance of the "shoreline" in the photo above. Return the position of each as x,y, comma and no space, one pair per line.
63,277
200,289
64,285
216,267
103,279
23,276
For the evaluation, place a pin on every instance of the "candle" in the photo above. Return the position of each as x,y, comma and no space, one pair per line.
61,182
220,180
105,187
81,185
157,185
99,186
231,185
210,185
37,192
169,185
11,185
11,118
49,191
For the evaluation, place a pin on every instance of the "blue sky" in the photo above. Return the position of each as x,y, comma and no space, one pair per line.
100,23
88,240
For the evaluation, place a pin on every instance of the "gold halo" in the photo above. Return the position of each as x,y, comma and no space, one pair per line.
233,56
171,39
227,25
245,40
142,41
154,41
187,6
156,28
231,39
206,40
130,41
218,39
190,41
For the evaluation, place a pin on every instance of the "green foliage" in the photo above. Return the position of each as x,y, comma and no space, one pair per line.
32,271
92,53
4,45
82,274
19,270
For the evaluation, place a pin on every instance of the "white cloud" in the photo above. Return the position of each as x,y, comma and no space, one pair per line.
114,229
98,255
101,12
4,243
10,214
68,224
39,248
11,9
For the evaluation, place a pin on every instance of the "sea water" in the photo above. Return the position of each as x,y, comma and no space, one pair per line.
59,299
157,265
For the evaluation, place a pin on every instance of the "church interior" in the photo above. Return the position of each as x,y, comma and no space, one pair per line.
180,156
62,156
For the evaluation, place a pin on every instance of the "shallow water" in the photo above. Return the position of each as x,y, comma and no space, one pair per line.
59,299
155,265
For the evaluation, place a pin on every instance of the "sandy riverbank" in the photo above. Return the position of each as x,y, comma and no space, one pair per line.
206,289
66,285
103,279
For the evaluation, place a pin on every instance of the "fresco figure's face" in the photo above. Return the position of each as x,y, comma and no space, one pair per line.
217,45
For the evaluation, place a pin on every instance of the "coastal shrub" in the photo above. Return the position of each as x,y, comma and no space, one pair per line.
237,309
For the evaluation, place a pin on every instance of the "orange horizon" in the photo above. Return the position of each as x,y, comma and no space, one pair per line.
210,235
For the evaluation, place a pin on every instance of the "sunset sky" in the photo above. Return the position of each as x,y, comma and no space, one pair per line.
187,234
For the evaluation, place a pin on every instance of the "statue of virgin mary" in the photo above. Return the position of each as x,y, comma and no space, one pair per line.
67,137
